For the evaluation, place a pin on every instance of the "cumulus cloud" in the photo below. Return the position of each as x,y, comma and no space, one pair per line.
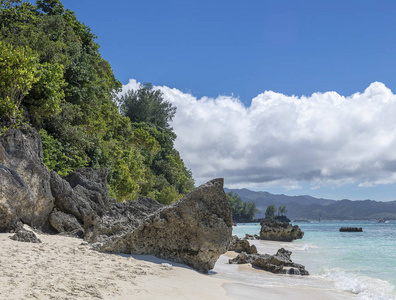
324,139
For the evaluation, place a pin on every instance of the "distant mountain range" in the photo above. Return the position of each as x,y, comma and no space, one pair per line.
307,207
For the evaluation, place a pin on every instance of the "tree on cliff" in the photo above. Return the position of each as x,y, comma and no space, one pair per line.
71,100
151,114
21,74
147,105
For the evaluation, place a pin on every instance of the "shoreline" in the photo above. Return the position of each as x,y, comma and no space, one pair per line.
246,282
64,267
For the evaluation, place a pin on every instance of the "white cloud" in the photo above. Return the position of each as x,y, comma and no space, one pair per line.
325,139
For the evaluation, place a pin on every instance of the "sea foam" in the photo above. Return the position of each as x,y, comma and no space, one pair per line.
364,287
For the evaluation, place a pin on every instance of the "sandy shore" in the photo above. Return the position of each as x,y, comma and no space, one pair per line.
66,268
62,268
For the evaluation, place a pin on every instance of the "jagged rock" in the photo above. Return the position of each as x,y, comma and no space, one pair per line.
279,231
251,237
25,236
83,193
351,229
25,193
120,219
63,222
278,263
194,231
241,245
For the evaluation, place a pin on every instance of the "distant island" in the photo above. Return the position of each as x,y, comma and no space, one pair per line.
311,208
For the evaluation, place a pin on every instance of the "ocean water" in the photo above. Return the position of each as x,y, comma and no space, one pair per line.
360,263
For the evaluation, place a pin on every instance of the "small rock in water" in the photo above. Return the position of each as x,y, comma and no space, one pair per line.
351,229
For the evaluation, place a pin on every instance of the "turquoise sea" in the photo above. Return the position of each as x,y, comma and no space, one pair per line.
361,263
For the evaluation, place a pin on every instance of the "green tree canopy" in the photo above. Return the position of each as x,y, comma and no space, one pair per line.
147,105
282,210
51,68
270,212
21,75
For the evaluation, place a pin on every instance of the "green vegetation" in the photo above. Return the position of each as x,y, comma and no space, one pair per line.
271,210
241,211
53,78
282,210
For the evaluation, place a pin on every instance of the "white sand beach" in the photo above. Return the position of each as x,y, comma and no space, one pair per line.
66,268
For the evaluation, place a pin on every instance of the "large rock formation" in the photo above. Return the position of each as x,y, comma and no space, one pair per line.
120,219
80,197
25,193
82,193
278,263
194,231
279,231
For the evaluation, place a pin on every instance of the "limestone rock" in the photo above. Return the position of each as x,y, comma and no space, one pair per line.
241,245
251,237
63,222
82,194
25,236
25,193
194,231
280,231
120,219
278,263
351,229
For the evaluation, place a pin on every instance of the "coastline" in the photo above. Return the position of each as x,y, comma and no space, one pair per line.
66,268
246,282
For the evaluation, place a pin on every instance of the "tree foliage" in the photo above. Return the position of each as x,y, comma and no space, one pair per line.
282,210
24,78
147,105
242,211
52,71
270,212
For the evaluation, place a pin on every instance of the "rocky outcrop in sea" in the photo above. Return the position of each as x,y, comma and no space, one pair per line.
351,229
194,231
274,230
279,263
241,245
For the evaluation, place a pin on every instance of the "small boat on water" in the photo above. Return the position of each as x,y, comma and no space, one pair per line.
380,220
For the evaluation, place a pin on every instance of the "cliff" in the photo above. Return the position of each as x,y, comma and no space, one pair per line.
194,231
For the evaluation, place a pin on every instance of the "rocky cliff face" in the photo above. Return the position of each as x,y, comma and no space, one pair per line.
280,231
194,231
25,193
79,197
119,219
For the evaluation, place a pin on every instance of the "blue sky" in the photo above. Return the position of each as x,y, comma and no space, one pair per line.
212,48
238,50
